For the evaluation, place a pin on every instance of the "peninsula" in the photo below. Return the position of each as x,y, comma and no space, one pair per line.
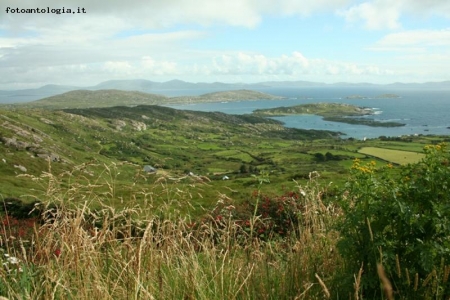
335,112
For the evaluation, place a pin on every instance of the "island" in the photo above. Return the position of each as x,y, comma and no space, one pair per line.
109,98
383,96
335,112
388,96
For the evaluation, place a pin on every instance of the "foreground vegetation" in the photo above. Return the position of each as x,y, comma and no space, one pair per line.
383,235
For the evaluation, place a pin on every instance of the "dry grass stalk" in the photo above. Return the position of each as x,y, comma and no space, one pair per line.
446,273
397,265
416,282
370,229
357,284
387,287
324,287
428,278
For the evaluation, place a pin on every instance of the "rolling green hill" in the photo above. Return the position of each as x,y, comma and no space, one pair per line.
102,98
175,142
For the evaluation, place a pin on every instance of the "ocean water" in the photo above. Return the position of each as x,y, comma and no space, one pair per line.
423,111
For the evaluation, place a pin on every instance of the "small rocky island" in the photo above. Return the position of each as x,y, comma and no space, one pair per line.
335,112
227,96
383,96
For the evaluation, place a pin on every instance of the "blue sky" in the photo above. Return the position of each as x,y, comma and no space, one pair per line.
377,41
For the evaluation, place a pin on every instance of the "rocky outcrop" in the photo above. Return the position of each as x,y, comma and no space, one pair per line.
118,124
53,157
46,121
21,168
17,144
134,125
34,148
138,126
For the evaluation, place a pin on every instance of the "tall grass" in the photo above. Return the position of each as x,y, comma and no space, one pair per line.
83,246
144,252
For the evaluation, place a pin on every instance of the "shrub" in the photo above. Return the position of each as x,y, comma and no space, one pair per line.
400,221
272,216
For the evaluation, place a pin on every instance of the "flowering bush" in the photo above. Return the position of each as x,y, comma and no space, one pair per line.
266,216
279,215
401,221
14,230
263,216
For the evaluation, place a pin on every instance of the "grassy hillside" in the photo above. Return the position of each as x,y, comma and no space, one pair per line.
209,146
176,142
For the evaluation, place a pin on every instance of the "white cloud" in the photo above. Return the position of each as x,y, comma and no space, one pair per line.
120,67
427,7
386,14
157,13
228,66
415,38
291,66
378,14
151,66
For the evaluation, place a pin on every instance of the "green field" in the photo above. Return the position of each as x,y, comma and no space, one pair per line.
393,156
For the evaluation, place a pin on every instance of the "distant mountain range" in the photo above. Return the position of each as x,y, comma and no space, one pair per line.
183,88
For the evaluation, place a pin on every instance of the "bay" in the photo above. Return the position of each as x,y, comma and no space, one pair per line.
423,111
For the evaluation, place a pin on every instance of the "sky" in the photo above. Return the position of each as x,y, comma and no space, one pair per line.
233,41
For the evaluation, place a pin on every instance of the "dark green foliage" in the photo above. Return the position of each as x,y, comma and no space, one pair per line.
243,169
319,156
18,209
402,222
328,157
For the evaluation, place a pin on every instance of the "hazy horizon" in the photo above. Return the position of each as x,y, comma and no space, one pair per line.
238,83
